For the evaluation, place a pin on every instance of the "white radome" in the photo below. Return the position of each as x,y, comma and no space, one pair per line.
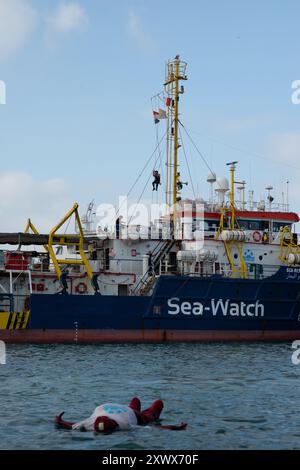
212,178
222,184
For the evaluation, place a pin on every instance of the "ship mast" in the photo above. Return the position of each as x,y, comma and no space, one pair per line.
175,72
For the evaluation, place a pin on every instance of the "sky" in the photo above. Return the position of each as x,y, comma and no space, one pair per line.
79,75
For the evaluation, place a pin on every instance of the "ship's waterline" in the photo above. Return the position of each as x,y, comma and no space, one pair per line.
233,396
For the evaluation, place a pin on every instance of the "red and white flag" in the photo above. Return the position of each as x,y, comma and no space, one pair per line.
158,115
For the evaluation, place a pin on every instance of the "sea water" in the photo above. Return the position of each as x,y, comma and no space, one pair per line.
233,396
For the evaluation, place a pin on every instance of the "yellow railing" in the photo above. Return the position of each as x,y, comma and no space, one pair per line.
56,239
64,240
287,244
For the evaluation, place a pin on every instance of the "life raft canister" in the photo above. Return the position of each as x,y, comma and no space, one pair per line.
81,288
256,236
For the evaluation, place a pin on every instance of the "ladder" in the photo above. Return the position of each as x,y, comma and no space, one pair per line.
147,281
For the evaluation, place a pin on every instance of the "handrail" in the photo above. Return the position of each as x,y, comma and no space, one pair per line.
147,279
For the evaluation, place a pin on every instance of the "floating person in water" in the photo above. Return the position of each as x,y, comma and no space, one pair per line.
112,417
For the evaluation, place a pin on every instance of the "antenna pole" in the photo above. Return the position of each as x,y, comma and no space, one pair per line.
175,72
232,168
176,116
231,195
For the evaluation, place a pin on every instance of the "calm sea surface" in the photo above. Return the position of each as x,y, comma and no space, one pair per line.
233,396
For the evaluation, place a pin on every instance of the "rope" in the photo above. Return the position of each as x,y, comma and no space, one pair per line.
195,146
143,169
161,168
141,195
145,166
156,98
187,164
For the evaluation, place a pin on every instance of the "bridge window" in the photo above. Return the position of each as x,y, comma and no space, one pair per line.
254,224
211,225
277,226
251,224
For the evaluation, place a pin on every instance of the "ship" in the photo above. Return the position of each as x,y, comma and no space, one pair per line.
222,269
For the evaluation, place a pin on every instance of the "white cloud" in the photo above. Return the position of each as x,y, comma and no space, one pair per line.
23,197
136,31
68,17
17,21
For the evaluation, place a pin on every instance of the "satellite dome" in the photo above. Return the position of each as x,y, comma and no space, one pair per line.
222,184
211,177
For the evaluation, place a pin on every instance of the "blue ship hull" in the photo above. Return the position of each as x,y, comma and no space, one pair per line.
180,309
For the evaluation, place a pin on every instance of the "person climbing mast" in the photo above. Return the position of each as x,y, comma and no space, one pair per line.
156,182
179,183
